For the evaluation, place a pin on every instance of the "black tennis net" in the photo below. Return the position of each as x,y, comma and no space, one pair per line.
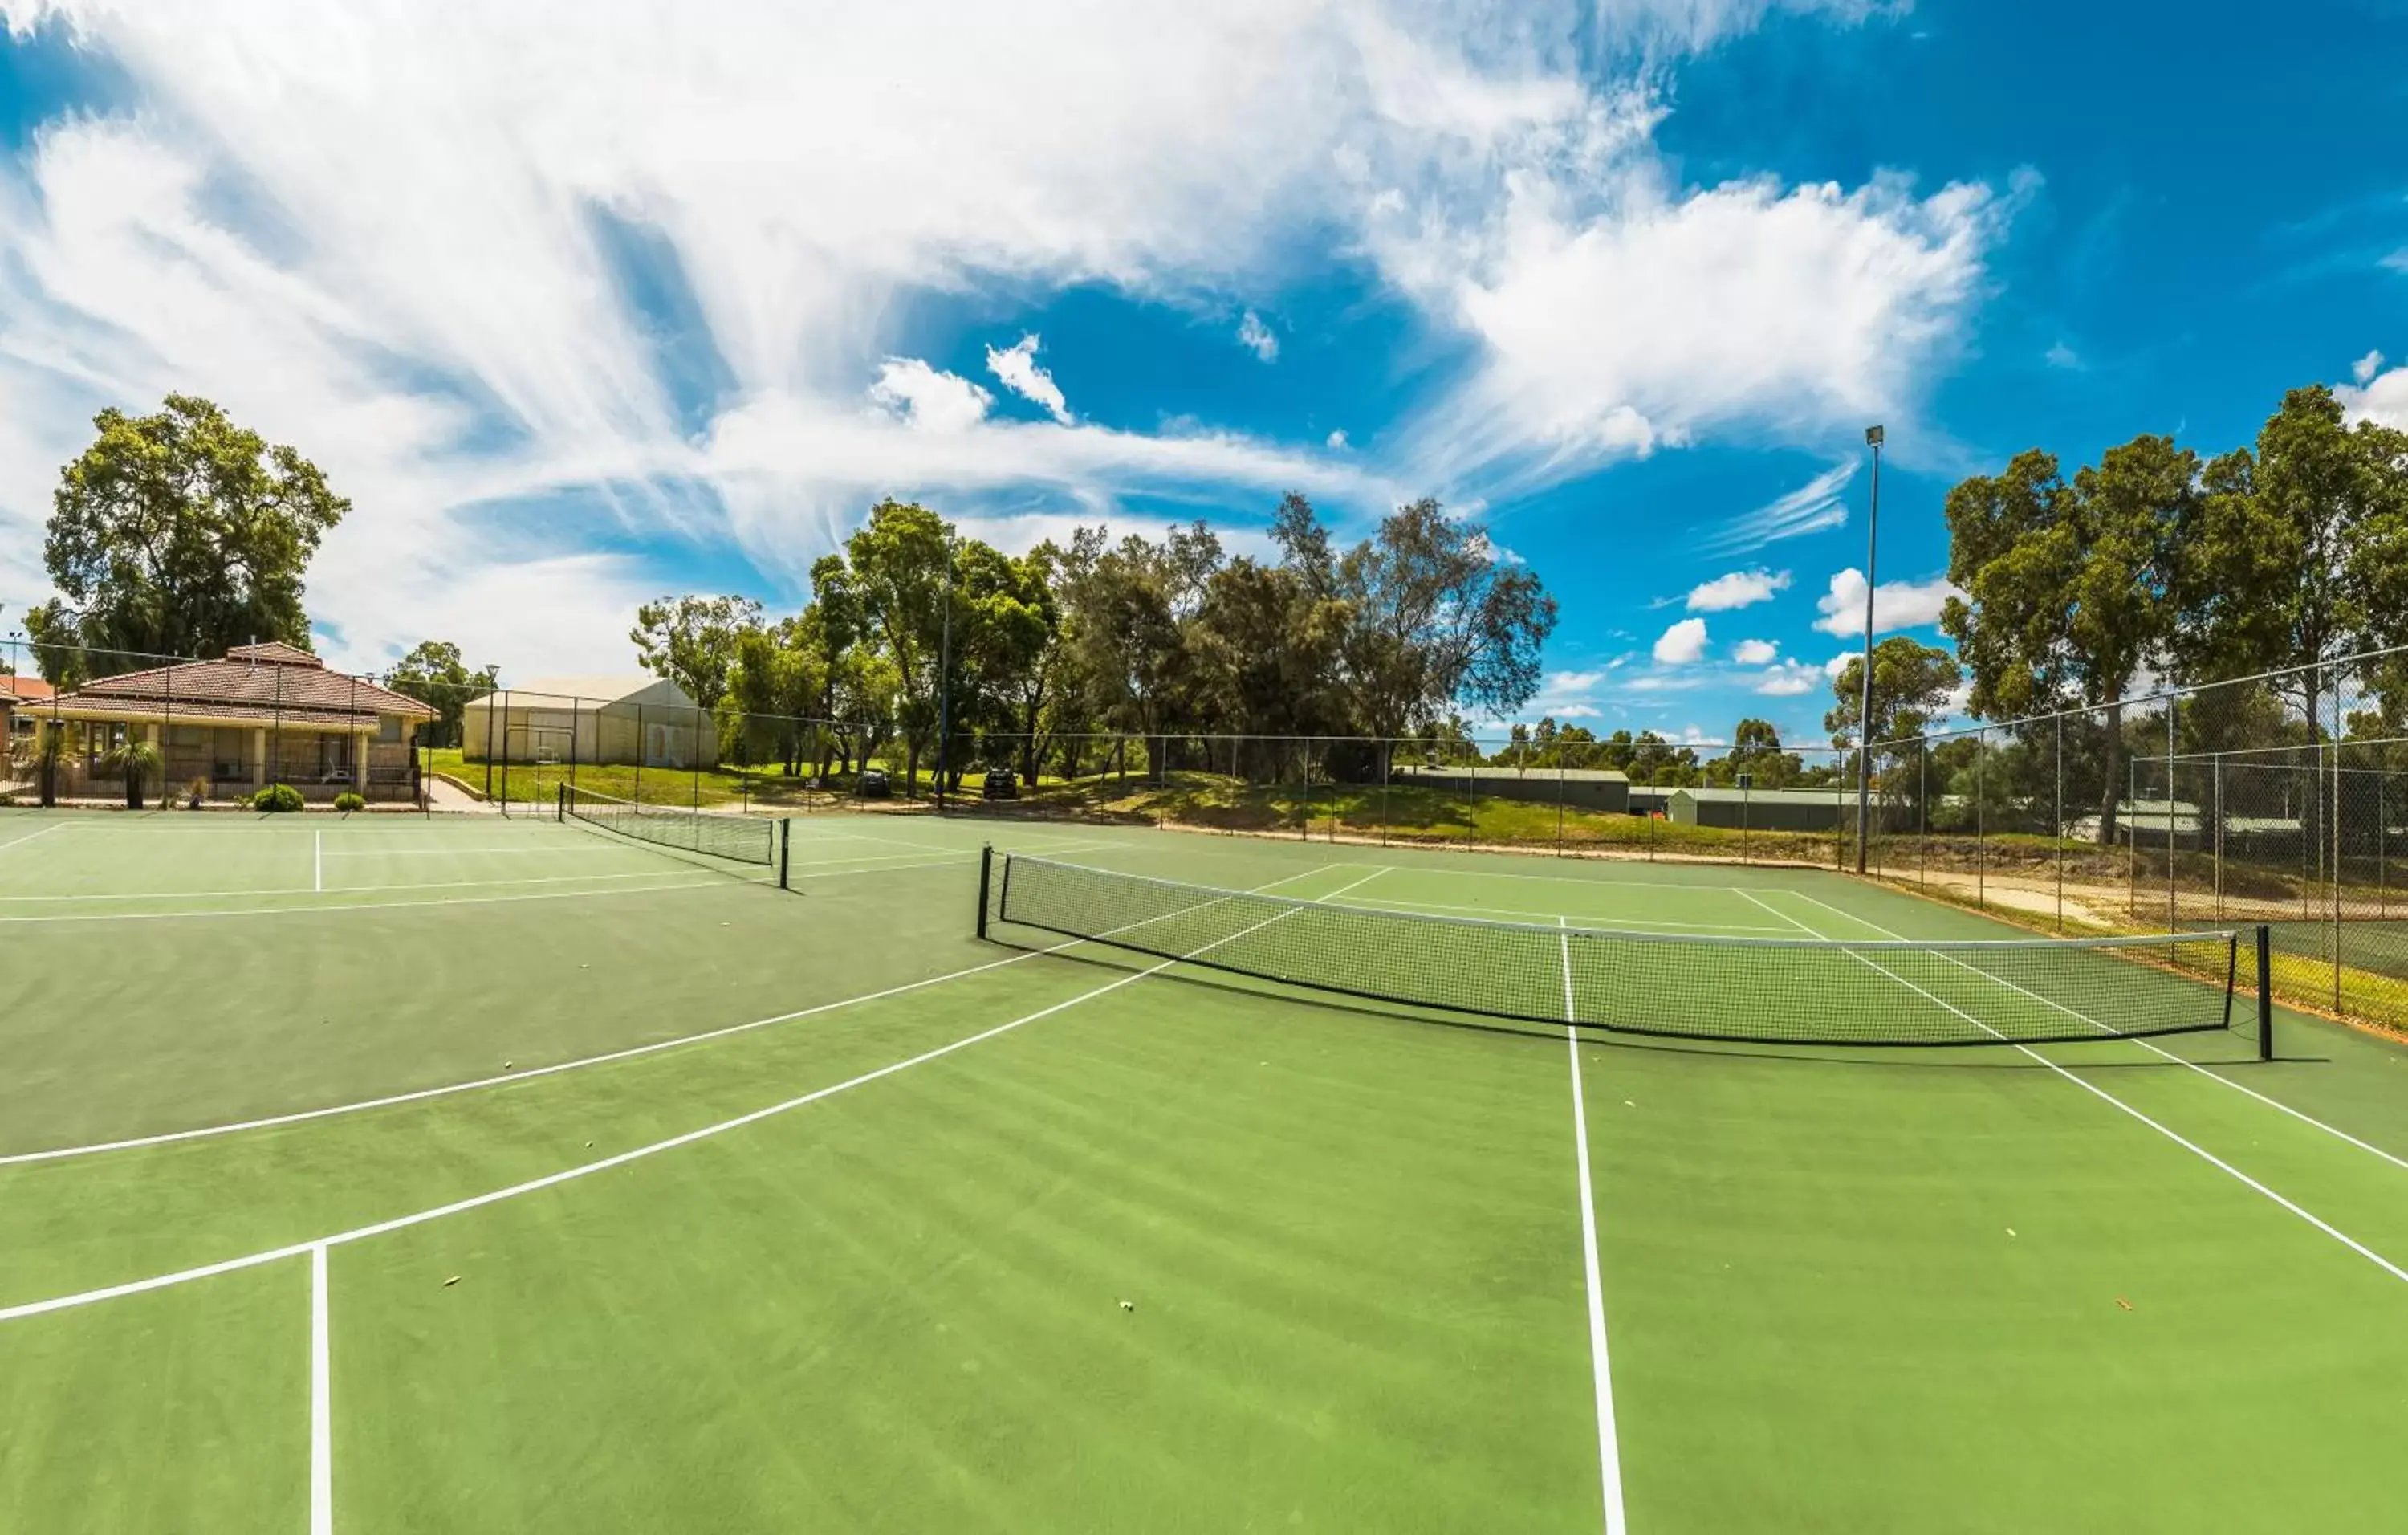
1802,991
741,839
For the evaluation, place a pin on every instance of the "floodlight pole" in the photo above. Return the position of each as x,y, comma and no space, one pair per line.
945,680
1865,706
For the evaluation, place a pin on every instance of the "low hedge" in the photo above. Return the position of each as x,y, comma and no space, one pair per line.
349,801
277,798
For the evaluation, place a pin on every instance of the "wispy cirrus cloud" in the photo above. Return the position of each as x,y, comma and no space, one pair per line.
639,281
1811,508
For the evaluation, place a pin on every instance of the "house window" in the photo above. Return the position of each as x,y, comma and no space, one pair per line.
389,729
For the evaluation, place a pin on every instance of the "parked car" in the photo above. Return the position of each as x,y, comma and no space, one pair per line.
1002,783
874,785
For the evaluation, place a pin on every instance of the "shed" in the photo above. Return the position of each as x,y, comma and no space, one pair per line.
1760,809
1582,788
629,718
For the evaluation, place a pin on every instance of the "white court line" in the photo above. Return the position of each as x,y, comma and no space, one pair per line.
1785,916
1619,923
321,1401
1609,1448
1608,881
581,844
2102,1094
300,1116
720,882
56,825
2303,1117
566,1175
655,873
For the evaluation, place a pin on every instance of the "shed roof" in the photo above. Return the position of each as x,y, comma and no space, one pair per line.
594,690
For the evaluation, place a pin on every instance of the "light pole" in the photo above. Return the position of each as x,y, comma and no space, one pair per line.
1865,704
945,681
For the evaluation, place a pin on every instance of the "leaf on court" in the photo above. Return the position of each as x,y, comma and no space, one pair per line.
2121,1301
1128,1305
453,1280
2011,1231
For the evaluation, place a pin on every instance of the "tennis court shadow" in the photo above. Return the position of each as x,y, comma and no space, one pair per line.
1987,1058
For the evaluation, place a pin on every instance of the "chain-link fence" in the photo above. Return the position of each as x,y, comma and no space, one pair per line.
2280,798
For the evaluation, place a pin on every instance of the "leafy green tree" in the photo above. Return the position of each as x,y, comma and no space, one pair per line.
176,534
1912,685
137,760
434,674
1755,751
780,675
690,640
1441,618
2069,588
2298,552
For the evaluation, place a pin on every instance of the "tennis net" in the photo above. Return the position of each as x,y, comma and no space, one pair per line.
741,839
1802,991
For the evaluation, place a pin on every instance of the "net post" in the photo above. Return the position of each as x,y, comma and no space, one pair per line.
785,845
560,802
2265,992
986,874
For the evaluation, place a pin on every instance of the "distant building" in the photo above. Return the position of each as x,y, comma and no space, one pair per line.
1582,788
1761,809
631,718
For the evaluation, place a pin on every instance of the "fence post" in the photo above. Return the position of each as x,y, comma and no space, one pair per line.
2216,791
1980,824
2057,824
2335,833
2173,919
1922,812
643,749
1560,778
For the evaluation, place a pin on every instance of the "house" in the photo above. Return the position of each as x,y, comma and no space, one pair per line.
259,715
19,697
632,718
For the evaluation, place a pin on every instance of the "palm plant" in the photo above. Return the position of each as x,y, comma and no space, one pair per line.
42,752
138,758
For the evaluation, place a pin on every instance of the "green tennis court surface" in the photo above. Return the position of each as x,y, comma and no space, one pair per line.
381,1174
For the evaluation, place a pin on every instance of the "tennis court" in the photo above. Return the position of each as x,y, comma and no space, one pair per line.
390,1174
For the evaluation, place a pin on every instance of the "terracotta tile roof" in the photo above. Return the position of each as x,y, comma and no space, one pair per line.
252,682
182,710
24,690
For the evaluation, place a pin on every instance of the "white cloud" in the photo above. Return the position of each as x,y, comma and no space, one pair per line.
1256,338
1739,589
459,318
924,398
1810,509
1016,365
2396,261
2062,356
1336,442
1754,653
1790,679
1682,644
1617,311
2378,395
1898,605
1838,663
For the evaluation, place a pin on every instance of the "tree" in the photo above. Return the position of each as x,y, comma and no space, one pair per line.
1441,618
897,563
2070,590
435,675
134,758
176,534
780,675
690,640
2297,554
1755,751
1912,685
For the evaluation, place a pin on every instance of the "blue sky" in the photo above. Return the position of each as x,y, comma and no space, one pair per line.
587,304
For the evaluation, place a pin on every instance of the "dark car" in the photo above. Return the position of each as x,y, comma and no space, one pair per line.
874,785
1001,784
